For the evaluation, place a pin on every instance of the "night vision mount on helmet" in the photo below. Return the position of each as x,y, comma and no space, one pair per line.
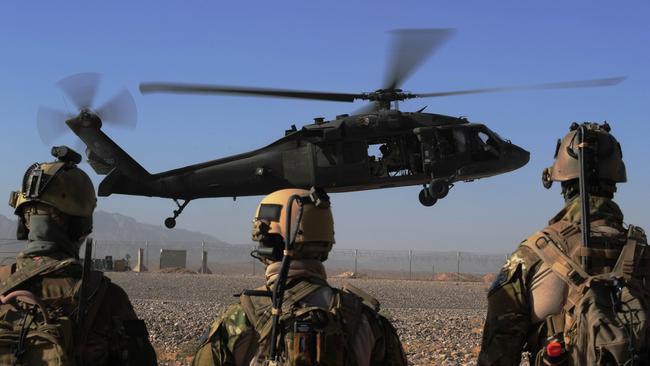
60,184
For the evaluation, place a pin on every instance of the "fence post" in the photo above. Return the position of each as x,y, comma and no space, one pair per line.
458,266
204,258
356,254
410,264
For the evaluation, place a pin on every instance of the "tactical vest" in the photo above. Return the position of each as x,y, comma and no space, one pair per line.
605,318
43,331
311,335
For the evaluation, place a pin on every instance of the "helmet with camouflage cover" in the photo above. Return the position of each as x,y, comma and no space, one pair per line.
608,158
60,185
315,235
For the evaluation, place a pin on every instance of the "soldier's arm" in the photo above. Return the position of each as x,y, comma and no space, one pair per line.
388,349
134,330
230,341
508,317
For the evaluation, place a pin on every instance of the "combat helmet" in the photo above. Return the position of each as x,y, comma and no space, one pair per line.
314,236
60,185
607,156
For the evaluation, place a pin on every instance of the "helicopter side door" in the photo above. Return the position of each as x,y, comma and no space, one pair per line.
442,150
340,163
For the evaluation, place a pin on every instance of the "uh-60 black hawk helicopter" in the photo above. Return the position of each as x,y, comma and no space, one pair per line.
376,147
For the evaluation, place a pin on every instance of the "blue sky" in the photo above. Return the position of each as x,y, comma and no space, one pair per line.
336,46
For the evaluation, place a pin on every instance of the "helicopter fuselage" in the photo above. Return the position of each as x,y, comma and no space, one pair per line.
351,153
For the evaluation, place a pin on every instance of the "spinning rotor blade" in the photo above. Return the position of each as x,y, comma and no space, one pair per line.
409,48
560,85
119,110
81,88
51,124
236,90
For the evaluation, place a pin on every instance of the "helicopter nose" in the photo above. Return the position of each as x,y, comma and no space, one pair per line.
518,156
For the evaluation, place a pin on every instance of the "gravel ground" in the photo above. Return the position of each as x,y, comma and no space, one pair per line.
439,323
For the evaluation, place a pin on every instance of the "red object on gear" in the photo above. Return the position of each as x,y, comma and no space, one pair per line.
554,349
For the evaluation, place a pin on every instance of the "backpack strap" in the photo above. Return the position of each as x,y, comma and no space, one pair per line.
98,286
258,309
365,297
564,267
33,269
626,261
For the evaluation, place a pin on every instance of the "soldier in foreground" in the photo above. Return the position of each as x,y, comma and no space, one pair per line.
571,297
313,323
53,310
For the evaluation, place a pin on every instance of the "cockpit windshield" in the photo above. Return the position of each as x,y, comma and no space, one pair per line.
485,143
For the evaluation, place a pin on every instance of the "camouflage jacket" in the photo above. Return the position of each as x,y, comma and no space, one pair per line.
526,291
233,340
114,336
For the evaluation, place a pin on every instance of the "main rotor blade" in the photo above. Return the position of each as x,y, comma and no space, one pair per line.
409,48
236,90
119,110
81,88
51,124
560,85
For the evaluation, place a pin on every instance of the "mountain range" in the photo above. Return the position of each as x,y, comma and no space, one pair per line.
117,227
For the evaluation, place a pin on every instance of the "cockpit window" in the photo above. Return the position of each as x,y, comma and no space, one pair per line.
485,146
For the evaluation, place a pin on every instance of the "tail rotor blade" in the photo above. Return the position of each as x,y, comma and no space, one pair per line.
51,124
81,88
120,110
409,49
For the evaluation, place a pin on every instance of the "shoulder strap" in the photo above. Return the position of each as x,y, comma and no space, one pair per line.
351,307
258,310
98,287
32,270
563,266
625,263
365,297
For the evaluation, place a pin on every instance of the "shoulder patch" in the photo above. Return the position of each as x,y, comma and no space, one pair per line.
501,279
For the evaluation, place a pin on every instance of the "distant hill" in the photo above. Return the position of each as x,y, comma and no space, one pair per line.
117,227
7,228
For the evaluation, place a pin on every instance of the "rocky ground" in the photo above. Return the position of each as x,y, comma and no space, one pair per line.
439,322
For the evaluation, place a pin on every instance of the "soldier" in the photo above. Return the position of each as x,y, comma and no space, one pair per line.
320,325
40,319
537,304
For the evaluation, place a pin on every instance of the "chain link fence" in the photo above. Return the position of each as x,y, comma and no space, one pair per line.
236,259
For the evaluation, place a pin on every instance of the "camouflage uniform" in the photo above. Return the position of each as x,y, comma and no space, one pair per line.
526,291
233,340
113,335
54,208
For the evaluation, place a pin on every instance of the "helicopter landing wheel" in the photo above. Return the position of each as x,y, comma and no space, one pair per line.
170,222
427,199
439,188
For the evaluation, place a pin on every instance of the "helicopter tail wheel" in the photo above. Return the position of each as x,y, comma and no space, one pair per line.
426,199
439,188
170,222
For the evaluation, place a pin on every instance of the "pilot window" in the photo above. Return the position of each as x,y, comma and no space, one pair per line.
484,146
